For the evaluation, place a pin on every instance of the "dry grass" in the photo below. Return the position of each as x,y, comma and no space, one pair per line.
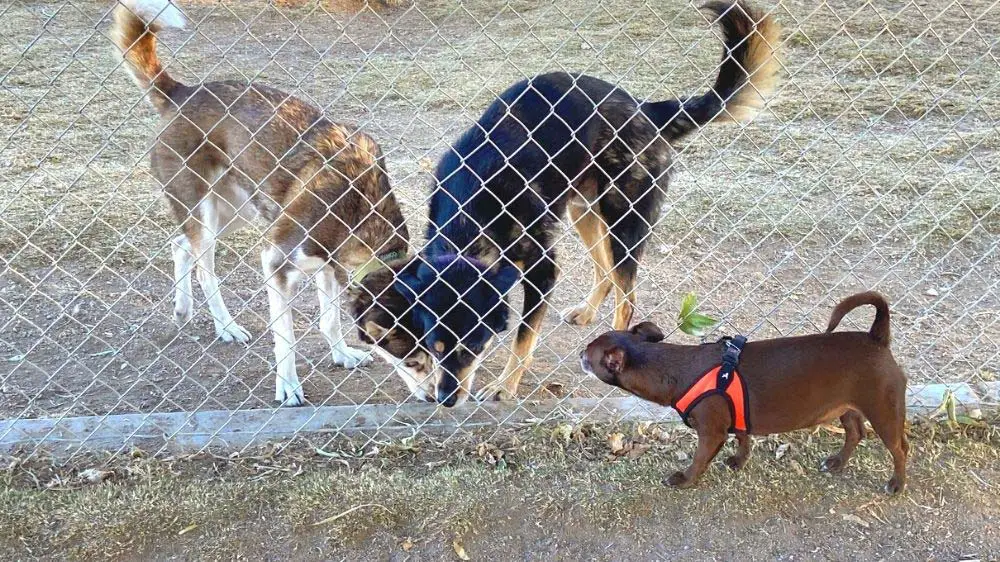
873,167
531,493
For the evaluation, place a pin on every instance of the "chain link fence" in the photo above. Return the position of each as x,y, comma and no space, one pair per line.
873,166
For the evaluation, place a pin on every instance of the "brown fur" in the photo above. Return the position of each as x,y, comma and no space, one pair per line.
793,383
231,152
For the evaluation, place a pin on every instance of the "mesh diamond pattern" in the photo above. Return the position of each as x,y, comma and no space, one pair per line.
873,166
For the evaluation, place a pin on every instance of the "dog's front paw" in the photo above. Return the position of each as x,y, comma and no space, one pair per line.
494,392
231,332
894,486
833,464
736,462
350,357
289,393
182,314
581,315
679,480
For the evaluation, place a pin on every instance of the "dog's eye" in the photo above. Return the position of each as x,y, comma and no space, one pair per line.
414,364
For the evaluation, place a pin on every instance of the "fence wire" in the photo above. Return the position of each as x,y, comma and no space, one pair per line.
872,166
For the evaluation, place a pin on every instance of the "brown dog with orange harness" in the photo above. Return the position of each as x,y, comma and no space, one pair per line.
768,386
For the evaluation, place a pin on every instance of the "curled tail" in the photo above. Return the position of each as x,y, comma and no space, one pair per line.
136,23
747,74
880,327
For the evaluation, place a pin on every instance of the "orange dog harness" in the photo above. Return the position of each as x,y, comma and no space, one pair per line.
725,381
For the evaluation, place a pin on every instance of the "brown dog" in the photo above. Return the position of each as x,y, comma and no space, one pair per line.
232,153
789,383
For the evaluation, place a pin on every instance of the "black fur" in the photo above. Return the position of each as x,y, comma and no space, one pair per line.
545,143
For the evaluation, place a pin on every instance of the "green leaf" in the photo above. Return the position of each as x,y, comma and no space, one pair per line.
692,323
688,305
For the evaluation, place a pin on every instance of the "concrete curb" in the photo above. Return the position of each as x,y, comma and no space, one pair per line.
233,430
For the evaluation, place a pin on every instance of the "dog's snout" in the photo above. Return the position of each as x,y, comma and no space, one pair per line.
447,397
584,362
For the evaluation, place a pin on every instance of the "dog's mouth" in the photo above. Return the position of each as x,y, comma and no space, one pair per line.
413,369
457,373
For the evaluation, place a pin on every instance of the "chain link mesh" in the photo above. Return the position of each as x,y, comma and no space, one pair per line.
874,166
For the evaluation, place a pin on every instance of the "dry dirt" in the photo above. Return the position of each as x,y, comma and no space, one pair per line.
873,167
546,493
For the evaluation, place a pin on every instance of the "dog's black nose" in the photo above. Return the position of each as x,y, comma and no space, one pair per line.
447,398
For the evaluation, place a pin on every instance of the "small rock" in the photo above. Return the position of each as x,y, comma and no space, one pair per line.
781,450
681,456
932,292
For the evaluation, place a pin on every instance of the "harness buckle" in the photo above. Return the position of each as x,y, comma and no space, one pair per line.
731,355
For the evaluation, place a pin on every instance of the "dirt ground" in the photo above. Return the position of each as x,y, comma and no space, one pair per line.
873,167
546,493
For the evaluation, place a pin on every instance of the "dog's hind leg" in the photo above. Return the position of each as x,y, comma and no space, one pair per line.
854,432
203,248
629,221
888,418
594,235
744,445
328,291
279,278
183,266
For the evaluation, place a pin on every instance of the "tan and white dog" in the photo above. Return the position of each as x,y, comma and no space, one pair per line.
232,152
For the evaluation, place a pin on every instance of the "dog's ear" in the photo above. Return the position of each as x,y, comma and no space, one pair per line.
614,360
648,332
504,278
375,331
411,280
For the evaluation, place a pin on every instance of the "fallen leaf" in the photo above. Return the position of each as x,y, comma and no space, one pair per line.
490,453
557,389
94,476
187,529
562,432
426,164
407,545
616,442
459,549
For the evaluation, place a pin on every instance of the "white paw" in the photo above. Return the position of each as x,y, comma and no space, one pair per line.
289,393
182,314
350,357
231,332
581,314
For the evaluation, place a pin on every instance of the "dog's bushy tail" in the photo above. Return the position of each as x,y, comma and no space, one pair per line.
136,23
880,327
747,74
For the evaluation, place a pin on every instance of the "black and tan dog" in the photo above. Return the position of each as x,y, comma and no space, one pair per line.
231,152
778,385
553,145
